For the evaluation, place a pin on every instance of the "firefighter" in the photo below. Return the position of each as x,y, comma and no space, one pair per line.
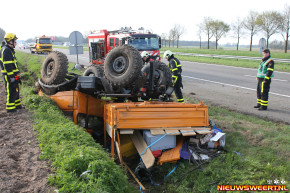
145,57
9,69
176,69
264,75
2,44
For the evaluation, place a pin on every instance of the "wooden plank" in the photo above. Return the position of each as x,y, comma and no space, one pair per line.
119,152
172,155
140,144
201,132
126,131
200,128
172,131
187,133
157,132
140,184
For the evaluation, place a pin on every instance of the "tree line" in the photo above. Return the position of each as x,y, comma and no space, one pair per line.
267,22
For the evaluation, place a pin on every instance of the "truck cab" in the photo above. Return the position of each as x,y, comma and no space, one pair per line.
103,41
42,44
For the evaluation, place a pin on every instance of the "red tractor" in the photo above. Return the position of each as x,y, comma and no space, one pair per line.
103,41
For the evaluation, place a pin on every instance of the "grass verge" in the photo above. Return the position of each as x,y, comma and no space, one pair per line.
71,150
65,47
264,148
285,67
274,53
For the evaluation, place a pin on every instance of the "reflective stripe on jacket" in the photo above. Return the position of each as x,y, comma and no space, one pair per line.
266,69
8,62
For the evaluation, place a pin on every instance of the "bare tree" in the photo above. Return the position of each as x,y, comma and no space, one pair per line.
172,35
207,28
179,31
163,39
250,23
237,28
285,27
219,29
270,22
199,33
2,34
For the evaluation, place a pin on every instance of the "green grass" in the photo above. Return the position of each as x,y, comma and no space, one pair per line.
71,150
274,53
65,47
264,146
285,67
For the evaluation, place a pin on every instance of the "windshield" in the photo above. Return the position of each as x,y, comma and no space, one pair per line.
45,41
144,43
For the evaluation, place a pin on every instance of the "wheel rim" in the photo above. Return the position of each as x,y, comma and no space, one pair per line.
120,64
49,69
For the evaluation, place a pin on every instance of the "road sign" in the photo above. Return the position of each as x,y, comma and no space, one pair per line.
76,37
262,44
76,50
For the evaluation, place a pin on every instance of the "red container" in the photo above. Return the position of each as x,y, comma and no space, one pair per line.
157,153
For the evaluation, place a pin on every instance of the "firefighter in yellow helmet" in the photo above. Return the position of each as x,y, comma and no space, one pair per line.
176,69
10,71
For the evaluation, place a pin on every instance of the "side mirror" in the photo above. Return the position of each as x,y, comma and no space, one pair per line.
159,41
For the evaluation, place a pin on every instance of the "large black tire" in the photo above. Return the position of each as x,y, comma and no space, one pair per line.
97,71
123,66
167,75
54,68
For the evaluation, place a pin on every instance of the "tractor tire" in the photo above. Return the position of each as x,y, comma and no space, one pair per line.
54,68
94,70
167,75
123,66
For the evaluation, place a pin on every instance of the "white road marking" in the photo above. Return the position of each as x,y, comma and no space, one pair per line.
232,85
273,78
220,65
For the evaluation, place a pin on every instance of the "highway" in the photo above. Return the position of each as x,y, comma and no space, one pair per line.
229,57
227,86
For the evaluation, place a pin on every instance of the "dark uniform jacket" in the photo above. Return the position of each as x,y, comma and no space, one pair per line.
8,62
175,67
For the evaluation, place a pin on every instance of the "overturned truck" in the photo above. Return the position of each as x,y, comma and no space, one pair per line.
133,101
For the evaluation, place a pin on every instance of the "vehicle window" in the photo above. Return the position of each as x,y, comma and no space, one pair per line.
111,42
45,41
117,41
144,43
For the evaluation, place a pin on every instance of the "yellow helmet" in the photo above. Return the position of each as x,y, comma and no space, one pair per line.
10,36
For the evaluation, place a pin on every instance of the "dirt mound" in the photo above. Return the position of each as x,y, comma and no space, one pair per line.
20,167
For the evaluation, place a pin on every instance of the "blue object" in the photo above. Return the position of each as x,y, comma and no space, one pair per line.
215,130
184,152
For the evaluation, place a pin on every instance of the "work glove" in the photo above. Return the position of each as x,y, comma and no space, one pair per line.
12,80
17,78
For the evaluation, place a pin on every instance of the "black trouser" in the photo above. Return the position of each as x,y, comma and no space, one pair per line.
177,90
263,92
12,94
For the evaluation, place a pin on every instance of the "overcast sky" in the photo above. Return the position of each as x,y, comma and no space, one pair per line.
30,18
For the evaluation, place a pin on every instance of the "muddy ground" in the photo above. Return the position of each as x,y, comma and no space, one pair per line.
20,167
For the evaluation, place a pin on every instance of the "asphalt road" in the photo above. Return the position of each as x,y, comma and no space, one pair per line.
227,86
230,57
